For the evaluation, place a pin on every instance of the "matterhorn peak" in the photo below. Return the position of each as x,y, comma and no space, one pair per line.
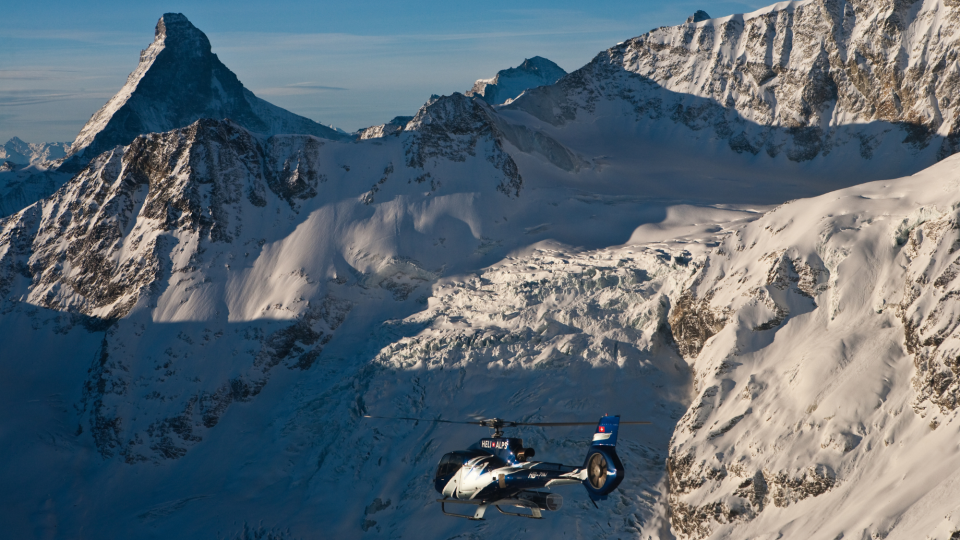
175,31
178,81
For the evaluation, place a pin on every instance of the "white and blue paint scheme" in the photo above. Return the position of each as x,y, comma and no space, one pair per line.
497,472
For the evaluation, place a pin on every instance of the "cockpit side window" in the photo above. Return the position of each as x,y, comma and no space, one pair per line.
449,465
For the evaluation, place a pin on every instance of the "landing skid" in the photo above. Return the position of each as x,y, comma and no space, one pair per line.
483,505
534,511
477,516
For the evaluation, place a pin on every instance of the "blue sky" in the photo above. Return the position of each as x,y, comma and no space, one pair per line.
349,64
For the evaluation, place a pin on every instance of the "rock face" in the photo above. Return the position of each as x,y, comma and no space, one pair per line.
452,127
930,240
507,84
802,79
178,81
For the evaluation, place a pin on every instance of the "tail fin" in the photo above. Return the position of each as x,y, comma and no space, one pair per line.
606,434
604,470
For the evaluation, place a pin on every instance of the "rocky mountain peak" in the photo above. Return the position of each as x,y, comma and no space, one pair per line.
456,113
392,127
175,31
178,81
541,65
699,16
507,84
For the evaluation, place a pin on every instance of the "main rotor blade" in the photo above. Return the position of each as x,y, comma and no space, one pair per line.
491,422
422,420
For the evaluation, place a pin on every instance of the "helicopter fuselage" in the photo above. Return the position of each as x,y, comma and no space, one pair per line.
496,468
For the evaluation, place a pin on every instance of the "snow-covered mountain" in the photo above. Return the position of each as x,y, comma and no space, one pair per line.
392,127
22,153
821,83
814,341
178,81
507,84
202,315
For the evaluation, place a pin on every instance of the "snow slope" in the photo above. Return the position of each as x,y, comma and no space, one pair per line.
822,339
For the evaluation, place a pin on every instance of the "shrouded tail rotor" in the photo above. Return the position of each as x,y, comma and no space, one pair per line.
597,470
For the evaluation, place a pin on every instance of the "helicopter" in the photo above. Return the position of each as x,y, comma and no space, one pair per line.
496,471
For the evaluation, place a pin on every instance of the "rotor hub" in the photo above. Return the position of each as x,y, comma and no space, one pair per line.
497,425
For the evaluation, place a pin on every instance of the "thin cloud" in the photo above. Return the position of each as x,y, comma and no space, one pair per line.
297,89
37,74
314,86
81,36
20,98
17,99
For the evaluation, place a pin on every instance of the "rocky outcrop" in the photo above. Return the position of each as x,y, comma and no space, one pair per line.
455,127
105,239
930,240
699,16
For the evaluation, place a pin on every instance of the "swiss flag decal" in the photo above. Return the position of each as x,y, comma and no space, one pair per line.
601,429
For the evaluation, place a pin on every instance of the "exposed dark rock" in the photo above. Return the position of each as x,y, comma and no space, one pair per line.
693,321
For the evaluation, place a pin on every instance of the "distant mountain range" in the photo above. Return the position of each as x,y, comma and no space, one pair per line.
18,152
